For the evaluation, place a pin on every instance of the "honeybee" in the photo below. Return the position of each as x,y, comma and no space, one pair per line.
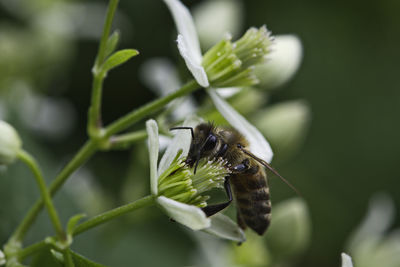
248,176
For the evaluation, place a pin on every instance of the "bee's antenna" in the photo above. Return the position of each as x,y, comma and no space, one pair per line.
199,154
183,128
197,162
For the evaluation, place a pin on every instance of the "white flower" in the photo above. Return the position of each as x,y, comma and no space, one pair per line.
2,258
214,18
189,48
189,215
284,61
346,260
10,143
372,244
161,76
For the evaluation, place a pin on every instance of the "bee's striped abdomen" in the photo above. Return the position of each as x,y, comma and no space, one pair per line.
253,200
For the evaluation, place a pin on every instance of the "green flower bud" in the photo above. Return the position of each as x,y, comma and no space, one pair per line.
244,255
180,183
284,125
10,143
230,64
290,229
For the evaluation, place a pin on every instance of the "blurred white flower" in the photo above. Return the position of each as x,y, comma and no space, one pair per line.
10,143
370,244
290,230
2,258
284,61
215,18
178,191
346,260
285,125
161,76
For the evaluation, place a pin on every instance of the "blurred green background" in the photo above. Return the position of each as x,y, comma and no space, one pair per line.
349,77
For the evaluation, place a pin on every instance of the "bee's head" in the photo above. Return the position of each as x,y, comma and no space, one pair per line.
203,143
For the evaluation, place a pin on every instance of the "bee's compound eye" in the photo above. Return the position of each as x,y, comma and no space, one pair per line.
210,143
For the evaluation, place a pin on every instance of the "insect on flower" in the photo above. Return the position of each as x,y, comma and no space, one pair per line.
248,175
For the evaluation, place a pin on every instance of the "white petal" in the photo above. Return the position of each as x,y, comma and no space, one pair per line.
152,132
227,92
195,67
164,141
346,260
284,60
258,145
185,25
188,215
222,226
181,141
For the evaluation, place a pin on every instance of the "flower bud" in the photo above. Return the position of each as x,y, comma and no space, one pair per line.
2,258
180,183
282,63
284,125
214,18
290,229
10,143
230,64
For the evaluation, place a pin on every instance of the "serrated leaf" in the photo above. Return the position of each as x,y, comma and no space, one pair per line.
112,43
81,261
73,221
118,58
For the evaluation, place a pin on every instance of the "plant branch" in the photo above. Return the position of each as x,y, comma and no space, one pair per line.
94,116
84,153
46,198
111,214
24,253
126,140
69,262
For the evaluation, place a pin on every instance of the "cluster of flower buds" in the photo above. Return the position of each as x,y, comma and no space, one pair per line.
230,64
180,183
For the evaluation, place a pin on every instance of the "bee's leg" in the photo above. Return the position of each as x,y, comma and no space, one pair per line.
212,209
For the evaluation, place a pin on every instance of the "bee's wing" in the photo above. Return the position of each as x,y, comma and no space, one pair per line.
269,167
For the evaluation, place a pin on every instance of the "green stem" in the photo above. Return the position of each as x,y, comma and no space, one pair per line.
69,262
91,146
111,214
84,153
24,253
91,223
125,140
46,198
132,117
112,7
94,120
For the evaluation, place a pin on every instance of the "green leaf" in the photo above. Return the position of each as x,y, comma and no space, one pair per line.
81,261
73,221
118,58
112,43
